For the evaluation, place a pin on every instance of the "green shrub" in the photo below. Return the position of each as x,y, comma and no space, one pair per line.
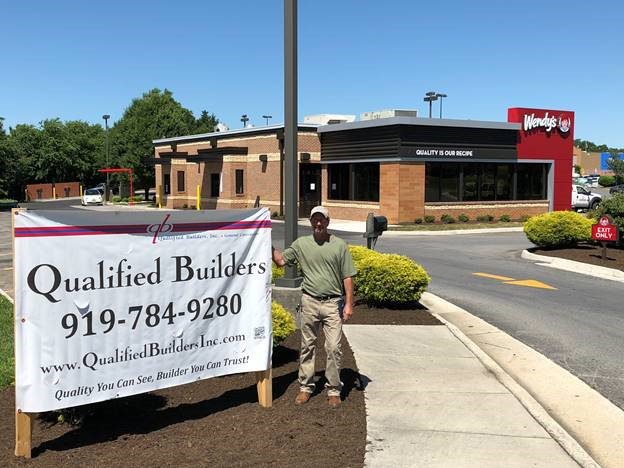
558,229
275,214
606,181
386,279
7,362
138,198
418,221
613,206
505,218
283,323
116,199
463,218
429,219
488,218
447,219
524,218
277,272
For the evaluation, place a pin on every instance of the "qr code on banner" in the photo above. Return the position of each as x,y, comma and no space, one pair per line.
259,333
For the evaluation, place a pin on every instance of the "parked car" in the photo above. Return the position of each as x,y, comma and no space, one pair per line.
592,180
93,196
584,199
617,189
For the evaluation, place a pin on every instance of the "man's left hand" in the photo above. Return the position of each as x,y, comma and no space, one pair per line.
347,312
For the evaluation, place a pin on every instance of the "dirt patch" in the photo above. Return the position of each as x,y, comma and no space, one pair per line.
216,421
587,253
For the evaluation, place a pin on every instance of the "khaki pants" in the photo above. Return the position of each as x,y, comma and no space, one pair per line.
315,313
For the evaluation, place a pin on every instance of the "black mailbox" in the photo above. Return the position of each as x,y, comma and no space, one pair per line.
375,225
380,224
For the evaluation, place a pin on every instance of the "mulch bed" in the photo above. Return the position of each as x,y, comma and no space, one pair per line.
216,421
587,253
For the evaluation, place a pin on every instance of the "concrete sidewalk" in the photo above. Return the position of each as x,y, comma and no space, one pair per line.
432,402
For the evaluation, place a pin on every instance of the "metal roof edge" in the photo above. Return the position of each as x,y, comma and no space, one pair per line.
418,121
229,133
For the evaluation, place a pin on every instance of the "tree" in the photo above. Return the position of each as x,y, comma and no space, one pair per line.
52,152
206,123
155,115
5,162
616,164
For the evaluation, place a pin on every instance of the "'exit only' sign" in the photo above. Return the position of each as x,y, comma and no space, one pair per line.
605,230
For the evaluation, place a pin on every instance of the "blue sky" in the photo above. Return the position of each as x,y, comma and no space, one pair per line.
77,60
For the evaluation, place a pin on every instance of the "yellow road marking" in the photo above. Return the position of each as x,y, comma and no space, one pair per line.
530,284
488,275
506,280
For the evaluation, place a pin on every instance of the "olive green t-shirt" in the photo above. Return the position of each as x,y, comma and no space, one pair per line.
324,266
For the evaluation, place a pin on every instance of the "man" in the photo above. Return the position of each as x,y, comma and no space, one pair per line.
327,269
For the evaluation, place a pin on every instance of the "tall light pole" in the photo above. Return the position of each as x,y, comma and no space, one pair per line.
290,278
267,117
244,119
430,96
440,96
106,117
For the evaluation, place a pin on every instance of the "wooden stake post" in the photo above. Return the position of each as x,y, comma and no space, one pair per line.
23,421
264,381
23,434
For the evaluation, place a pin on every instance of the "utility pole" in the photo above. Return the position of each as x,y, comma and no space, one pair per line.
290,278
106,117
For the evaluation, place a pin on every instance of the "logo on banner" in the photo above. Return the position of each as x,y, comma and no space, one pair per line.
158,229
548,123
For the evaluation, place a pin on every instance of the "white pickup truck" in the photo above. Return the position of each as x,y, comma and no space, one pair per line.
584,199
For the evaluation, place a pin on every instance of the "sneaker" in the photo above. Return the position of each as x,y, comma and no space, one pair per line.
302,398
334,401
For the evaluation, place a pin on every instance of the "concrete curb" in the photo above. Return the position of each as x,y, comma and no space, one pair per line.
3,293
576,267
560,435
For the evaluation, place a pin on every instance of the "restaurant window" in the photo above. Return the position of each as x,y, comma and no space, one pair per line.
504,182
531,182
358,182
448,182
338,181
167,183
181,187
240,188
215,184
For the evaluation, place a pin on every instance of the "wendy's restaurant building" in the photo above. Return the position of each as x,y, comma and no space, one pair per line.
402,167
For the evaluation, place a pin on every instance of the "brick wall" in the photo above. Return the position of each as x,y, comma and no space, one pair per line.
261,178
401,191
67,189
515,209
357,211
48,191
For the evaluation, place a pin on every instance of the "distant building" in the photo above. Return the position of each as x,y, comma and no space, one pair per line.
400,166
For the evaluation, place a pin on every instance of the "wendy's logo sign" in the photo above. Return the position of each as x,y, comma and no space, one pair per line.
547,122
157,229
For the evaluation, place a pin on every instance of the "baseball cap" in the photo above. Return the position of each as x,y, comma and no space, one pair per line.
319,209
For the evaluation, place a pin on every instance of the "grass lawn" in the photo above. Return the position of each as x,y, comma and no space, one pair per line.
7,359
453,226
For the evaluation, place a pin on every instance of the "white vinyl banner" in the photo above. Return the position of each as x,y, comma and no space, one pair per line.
110,304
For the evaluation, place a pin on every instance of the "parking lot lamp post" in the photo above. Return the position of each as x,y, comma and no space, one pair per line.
430,96
267,117
440,96
106,117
